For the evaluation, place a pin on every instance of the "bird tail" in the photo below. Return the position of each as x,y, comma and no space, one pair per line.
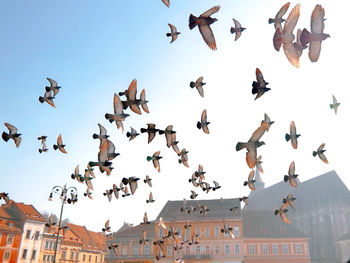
271,21
95,136
40,151
286,178
199,125
149,158
331,105
55,147
168,34
5,136
192,84
192,21
255,86
277,39
143,130
240,146
305,37
287,136
41,99
314,153
161,132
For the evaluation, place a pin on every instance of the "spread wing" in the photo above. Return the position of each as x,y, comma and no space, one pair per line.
317,19
52,82
284,217
172,28
208,36
292,20
117,104
103,153
204,116
259,132
59,140
17,141
103,130
323,158
166,2
314,50
133,187
259,77
251,175
291,170
12,129
211,11
283,10
237,24
292,54
132,90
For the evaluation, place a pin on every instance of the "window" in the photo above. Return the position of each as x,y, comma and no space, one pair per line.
236,231
275,248
89,258
34,254
207,231
96,259
198,231
84,257
44,258
77,255
299,248
49,258
146,250
71,255
227,249
251,249
9,240
188,232
217,231
217,250
161,232
7,255
207,250
265,248
135,250
285,248
125,251
198,250
28,234
237,249
64,254
169,251
24,254
47,245
37,235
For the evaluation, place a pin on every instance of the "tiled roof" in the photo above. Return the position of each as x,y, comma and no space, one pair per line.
99,239
321,189
29,212
263,224
70,236
3,213
91,241
218,209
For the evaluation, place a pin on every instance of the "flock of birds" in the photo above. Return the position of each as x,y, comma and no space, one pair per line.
293,48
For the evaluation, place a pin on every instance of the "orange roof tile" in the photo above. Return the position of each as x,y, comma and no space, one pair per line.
29,212
3,213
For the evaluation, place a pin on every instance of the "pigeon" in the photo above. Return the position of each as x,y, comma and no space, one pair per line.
132,134
234,210
253,144
204,21
282,211
268,120
291,177
286,37
126,191
258,164
316,36
179,260
203,210
89,171
42,138
320,153
193,194
102,135
43,148
12,134
193,180
145,219
87,180
143,239
48,98
119,115
166,2
53,87
173,34
151,130
102,163
107,228
88,193
259,86
148,181
51,221
216,186
227,229
278,20
174,143
238,29
115,248
250,181
194,240
205,186
77,176
289,200
155,159
200,173
116,191
132,181
244,199
293,136
150,198
108,193
60,146
335,104
188,225
199,86
134,103
111,151
183,157
161,223
203,123
168,132
5,197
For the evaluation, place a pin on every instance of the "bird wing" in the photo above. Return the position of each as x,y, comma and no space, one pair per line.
292,129
151,136
161,223
166,2
156,165
12,129
320,148
150,196
199,80
334,100
317,19
323,157
237,24
251,175
111,147
107,224
103,153
291,170
59,140
76,170
292,54
103,130
259,132
172,28
282,11
132,90
133,187
117,104
51,103
211,11
284,217
259,76
208,36
18,141
251,157
238,34
200,90
173,38
292,20
156,154
314,50
216,184
89,184
151,126
52,82
204,116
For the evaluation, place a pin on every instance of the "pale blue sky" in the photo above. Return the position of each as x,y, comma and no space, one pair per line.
94,49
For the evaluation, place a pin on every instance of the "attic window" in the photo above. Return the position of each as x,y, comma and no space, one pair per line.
283,230
263,231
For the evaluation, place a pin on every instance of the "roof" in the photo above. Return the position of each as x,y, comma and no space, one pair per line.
263,224
3,213
91,240
99,239
29,212
218,209
136,232
125,226
320,189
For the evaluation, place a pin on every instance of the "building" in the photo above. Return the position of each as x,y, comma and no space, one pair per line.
344,248
48,244
10,238
322,211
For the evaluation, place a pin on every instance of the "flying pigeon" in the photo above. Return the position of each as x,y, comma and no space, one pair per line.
107,228
168,132
250,181
116,191
43,148
173,34
132,134
293,136
174,143
155,159
316,36
193,194
119,115
238,29
60,146
203,123
143,239
132,181
5,197
289,200
278,20
335,104
161,223
291,177
102,163
166,2
199,85
111,150
148,181
184,158
204,21
234,210
259,86
268,120
151,130
282,211
258,164
108,193
53,87
102,135
244,199
200,173
42,138
12,134
150,198
77,176
216,186
134,103
320,152
48,98
88,193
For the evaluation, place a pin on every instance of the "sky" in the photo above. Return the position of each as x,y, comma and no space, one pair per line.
95,49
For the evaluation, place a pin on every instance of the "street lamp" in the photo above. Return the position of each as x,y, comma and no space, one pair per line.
72,193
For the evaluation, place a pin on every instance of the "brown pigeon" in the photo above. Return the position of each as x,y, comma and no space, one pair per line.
204,21
199,86
12,134
250,181
291,177
166,2
278,20
59,145
238,29
259,86
282,211
151,130
293,136
203,123
173,34
320,153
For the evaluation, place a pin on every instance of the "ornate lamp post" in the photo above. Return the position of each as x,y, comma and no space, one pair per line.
67,195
